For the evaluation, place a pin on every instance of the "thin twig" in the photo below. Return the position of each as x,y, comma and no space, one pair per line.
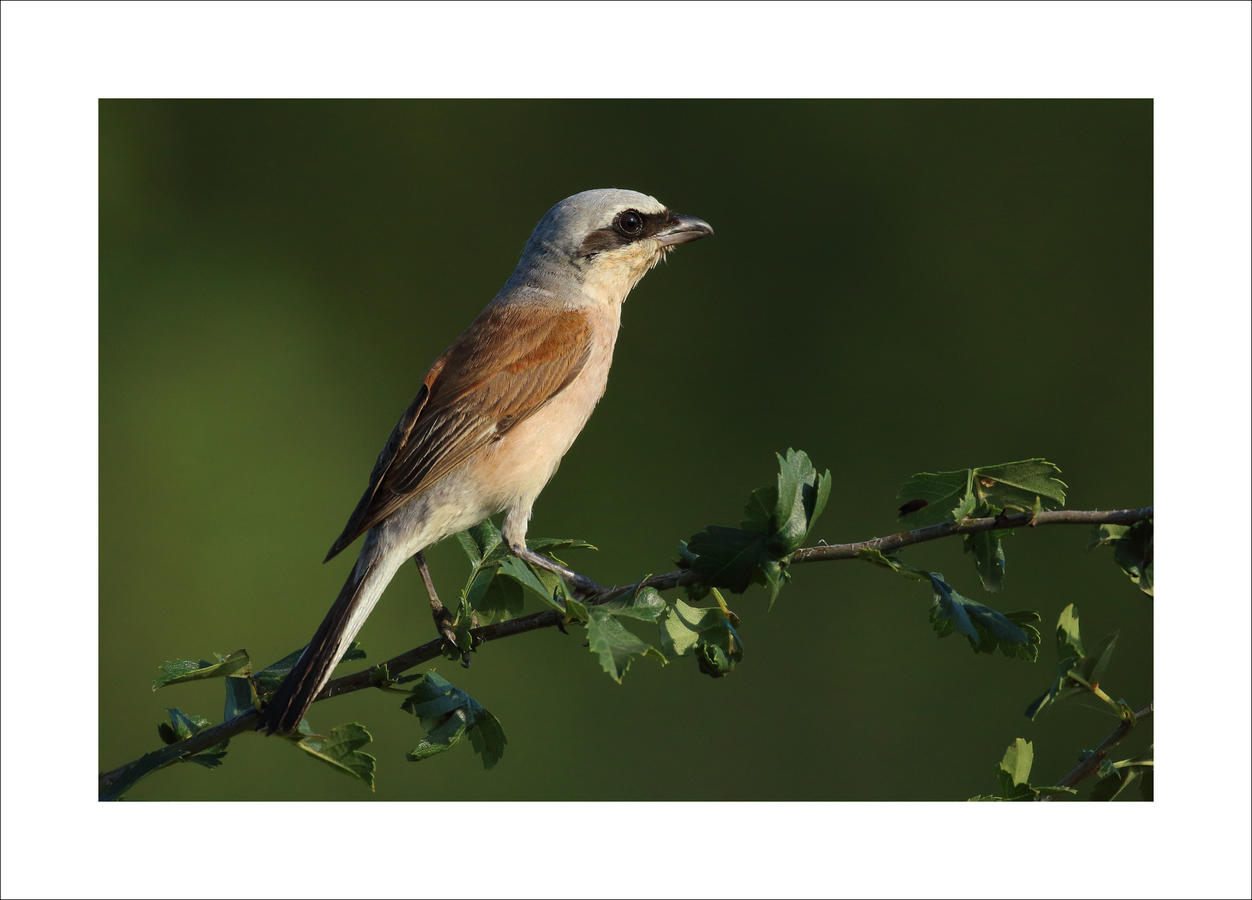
379,674
973,526
1092,763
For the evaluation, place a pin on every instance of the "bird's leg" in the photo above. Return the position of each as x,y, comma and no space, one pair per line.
439,612
582,585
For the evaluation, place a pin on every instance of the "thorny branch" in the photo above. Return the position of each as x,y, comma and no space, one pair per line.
381,674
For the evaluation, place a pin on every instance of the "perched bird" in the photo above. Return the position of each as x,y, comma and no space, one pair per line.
496,412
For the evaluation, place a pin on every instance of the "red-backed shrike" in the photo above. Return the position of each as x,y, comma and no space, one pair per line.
496,412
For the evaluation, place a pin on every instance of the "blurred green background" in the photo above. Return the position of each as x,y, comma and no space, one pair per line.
893,287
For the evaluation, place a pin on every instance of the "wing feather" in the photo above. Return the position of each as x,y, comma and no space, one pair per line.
507,365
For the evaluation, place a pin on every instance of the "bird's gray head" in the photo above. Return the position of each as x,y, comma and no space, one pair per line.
604,240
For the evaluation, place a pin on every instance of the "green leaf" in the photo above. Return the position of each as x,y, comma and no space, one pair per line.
1016,763
575,609
1077,672
777,519
987,548
705,633
479,541
177,671
1015,634
947,496
548,545
182,726
487,738
499,582
240,697
730,558
1013,775
514,568
1068,636
801,496
447,714
934,497
1019,485
614,644
341,751
494,599
645,605
1132,550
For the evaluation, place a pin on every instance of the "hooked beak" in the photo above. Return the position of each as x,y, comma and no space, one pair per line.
682,229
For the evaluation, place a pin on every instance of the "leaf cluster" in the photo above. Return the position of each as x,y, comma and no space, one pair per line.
777,519
1078,672
447,715
1027,485
1014,634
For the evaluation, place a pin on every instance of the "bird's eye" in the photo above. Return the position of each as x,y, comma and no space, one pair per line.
630,222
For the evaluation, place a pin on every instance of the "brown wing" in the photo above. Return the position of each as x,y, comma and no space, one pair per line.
503,368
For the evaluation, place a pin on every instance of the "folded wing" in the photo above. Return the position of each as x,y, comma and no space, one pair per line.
501,370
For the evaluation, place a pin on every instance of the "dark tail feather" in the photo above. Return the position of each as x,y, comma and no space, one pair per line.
311,672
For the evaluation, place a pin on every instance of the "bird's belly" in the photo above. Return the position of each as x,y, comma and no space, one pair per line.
522,461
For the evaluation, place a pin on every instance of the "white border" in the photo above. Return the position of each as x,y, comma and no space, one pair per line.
1192,58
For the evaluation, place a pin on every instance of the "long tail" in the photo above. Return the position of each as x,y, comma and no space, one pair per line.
373,570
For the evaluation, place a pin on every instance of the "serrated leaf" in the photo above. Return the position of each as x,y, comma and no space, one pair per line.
705,633
777,519
447,714
1019,485
1015,634
1132,550
487,738
547,545
801,497
177,671
616,646
341,751
948,497
499,582
987,548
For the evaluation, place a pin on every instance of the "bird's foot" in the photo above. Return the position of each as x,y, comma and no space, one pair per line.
580,586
